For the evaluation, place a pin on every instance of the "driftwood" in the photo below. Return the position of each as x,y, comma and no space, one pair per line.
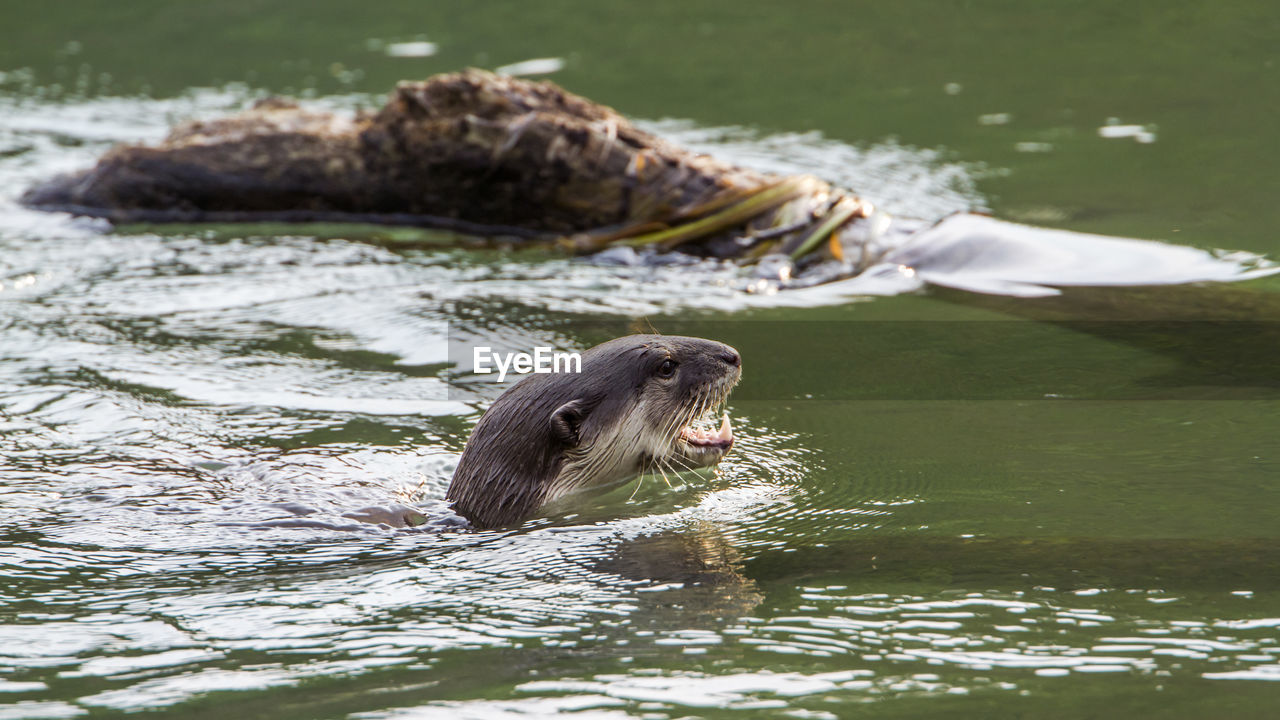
472,152
492,156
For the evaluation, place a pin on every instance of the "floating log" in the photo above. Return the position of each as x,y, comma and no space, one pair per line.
491,156
471,152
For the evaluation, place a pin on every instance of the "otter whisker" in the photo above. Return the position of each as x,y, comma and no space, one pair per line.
639,482
664,474
683,464
669,436
673,470
697,410
668,430
665,479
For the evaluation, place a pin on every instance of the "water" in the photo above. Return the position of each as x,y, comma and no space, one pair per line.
942,504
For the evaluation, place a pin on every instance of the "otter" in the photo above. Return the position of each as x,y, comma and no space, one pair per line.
641,403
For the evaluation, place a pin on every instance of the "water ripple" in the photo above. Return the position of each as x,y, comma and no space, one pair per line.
217,443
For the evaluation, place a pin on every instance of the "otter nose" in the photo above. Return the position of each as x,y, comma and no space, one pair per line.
730,356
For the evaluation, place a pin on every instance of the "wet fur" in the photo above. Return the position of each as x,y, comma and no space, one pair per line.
552,435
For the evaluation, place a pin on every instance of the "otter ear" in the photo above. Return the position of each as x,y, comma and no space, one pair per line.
567,419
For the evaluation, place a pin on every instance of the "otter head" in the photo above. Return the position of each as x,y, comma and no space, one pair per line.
642,403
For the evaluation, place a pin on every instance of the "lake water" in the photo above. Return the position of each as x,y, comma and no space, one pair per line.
941,504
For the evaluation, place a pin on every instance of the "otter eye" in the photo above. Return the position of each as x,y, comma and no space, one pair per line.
667,368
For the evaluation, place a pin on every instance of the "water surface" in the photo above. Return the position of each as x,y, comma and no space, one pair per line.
942,504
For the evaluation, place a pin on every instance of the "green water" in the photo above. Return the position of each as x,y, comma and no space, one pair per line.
941,504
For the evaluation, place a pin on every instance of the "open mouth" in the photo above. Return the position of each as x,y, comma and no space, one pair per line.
706,435
701,433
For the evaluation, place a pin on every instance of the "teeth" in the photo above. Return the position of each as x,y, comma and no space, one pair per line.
725,432
706,436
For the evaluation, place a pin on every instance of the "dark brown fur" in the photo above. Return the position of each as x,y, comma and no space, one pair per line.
553,434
